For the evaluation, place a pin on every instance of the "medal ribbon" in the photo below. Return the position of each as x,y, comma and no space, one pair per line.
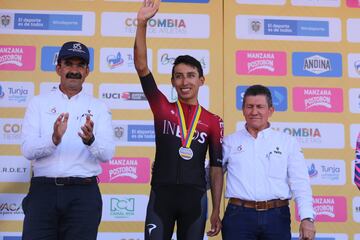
186,137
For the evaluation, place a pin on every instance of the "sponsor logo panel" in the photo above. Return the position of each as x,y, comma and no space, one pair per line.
10,130
166,58
353,3
311,64
354,65
120,60
124,208
10,207
326,172
17,58
14,169
49,57
163,25
10,236
16,94
353,29
46,87
311,135
126,170
279,96
288,28
316,3
356,209
261,63
317,99
328,209
134,133
354,100
47,22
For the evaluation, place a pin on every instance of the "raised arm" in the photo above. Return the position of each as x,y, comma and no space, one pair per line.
147,11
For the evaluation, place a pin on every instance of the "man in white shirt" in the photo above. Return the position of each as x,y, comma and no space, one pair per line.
265,168
66,134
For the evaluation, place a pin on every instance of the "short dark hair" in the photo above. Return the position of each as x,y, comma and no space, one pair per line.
255,90
187,60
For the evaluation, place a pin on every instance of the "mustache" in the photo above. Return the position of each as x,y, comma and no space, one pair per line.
74,75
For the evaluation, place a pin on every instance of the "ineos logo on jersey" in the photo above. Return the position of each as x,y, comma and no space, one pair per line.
171,128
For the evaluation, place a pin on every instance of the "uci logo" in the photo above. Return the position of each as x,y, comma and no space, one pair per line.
12,128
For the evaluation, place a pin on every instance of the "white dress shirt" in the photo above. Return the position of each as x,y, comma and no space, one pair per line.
71,157
271,166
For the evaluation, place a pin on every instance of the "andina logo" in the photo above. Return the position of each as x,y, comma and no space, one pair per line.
317,64
11,55
159,23
114,61
122,207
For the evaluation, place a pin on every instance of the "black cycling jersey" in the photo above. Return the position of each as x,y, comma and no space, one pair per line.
169,167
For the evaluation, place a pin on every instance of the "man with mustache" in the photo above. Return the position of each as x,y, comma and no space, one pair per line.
66,134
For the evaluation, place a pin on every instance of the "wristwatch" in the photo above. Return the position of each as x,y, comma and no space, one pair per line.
309,219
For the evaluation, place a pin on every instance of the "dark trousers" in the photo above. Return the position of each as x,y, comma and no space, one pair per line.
248,224
66,212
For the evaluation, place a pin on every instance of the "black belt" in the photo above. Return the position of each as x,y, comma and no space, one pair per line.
61,181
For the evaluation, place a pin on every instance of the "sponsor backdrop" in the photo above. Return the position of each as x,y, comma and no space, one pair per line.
306,51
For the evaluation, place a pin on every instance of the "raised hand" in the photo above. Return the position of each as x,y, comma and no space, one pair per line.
148,10
87,131
60,127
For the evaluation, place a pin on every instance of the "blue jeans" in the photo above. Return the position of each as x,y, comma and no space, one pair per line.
248,224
